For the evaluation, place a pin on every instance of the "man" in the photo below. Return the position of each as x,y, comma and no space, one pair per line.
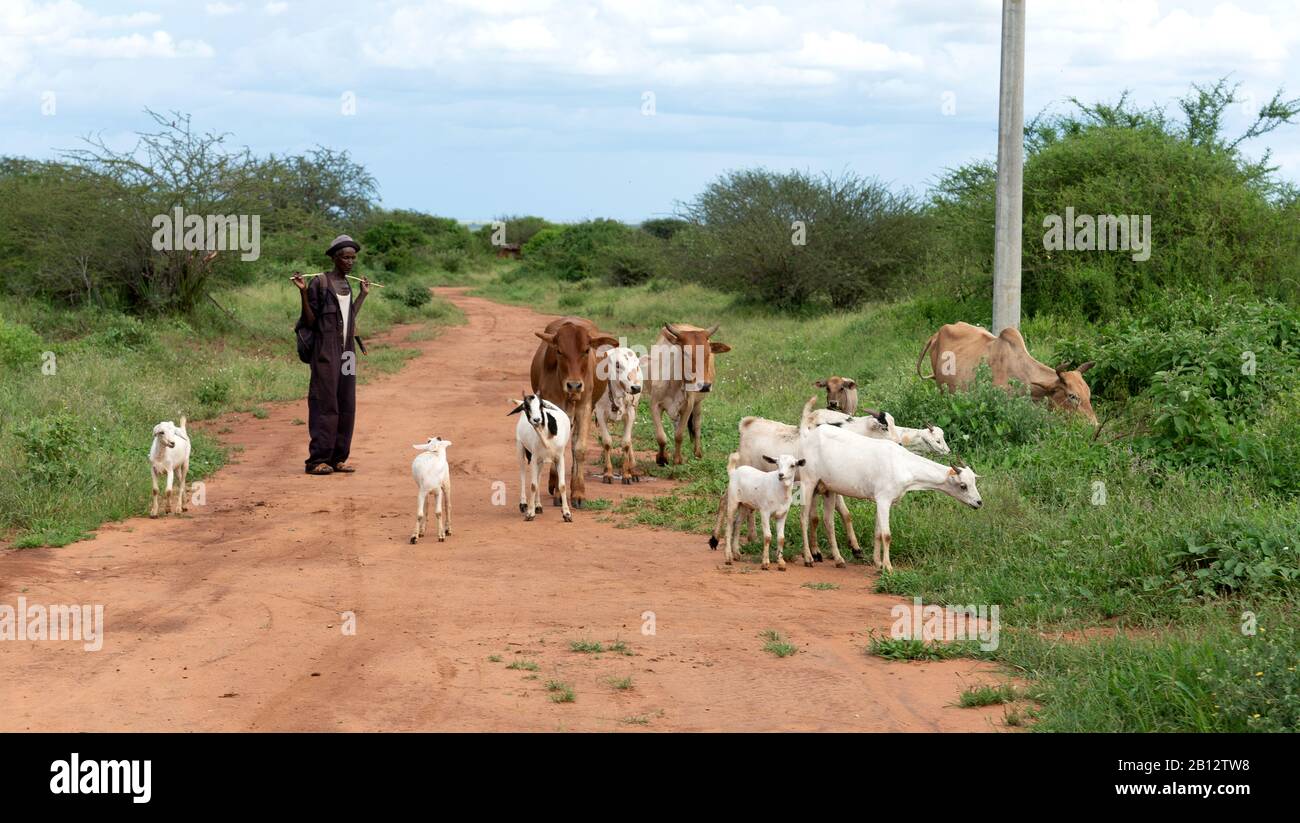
330,313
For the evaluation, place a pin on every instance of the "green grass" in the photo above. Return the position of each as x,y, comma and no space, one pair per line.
821,587
621,683
523,665
586,646
987,696
619,647
1039,549
778,645
560,692
911,648
87,425
494,658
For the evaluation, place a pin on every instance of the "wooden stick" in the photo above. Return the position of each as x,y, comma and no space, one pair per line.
350,277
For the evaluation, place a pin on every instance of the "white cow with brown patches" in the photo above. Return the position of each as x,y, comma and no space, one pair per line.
621,369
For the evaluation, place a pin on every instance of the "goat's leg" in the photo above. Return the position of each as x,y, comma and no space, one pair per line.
525,472
731,536
535,499
767,537
828,510
630,474
882,529
168,492
153,508
446,501
805,514
438,512
720,528
564,488
419,516
780,540
814,518
606,448
843,508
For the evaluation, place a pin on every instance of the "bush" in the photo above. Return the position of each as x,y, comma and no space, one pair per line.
982,417
413,296
1238,556
590,249
788,239
20,347
55,447
664,228
1258,689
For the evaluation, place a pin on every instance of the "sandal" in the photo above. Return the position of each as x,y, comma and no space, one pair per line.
343,467
320,468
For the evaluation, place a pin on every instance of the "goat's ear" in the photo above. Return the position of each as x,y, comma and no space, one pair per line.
836,425
820,384
446,443
880,418
1087,366
953,470
768,459
801,461
516,409
719,348
552,425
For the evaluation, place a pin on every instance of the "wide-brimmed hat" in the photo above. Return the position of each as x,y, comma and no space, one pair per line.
341,242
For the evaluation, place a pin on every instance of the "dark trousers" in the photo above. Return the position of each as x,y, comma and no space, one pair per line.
331,408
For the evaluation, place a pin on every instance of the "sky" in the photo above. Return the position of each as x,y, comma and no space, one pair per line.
475,109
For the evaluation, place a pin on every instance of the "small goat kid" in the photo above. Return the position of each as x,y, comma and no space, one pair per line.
169,455
541,436
621,368
851,465
432,474
881,424
770,493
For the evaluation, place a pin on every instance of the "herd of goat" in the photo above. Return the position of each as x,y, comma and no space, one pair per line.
580,373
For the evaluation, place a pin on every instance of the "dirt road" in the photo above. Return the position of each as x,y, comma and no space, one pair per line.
232,616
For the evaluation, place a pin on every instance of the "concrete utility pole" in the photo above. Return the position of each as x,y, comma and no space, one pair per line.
1011,161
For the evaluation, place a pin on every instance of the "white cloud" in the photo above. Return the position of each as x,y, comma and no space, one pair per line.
134,46
274,9
223,9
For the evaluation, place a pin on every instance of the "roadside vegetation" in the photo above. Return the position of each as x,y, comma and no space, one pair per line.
1147,573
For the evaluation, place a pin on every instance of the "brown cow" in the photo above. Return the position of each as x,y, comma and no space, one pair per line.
680,374
564,372
957,349
841,393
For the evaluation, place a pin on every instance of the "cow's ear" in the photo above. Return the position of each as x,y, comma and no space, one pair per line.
605,340
850,384
718,348
820,384
1087,366
547,337
768,459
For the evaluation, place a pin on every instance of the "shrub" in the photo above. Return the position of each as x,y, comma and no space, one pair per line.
1238,556
1258,689
984,416
20,347
55,448
413,296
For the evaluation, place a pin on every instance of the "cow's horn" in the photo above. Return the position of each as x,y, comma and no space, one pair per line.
713,329
668,327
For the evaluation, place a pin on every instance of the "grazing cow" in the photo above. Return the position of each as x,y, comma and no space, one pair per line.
681,373
841,393
564,373
957,349
621,369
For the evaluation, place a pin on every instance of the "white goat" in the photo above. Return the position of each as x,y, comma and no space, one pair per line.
541,436
925,439
621,369
759,436
432,474
169,455
770,493
867,468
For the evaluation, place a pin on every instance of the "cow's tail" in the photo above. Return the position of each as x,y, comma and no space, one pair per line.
921,359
